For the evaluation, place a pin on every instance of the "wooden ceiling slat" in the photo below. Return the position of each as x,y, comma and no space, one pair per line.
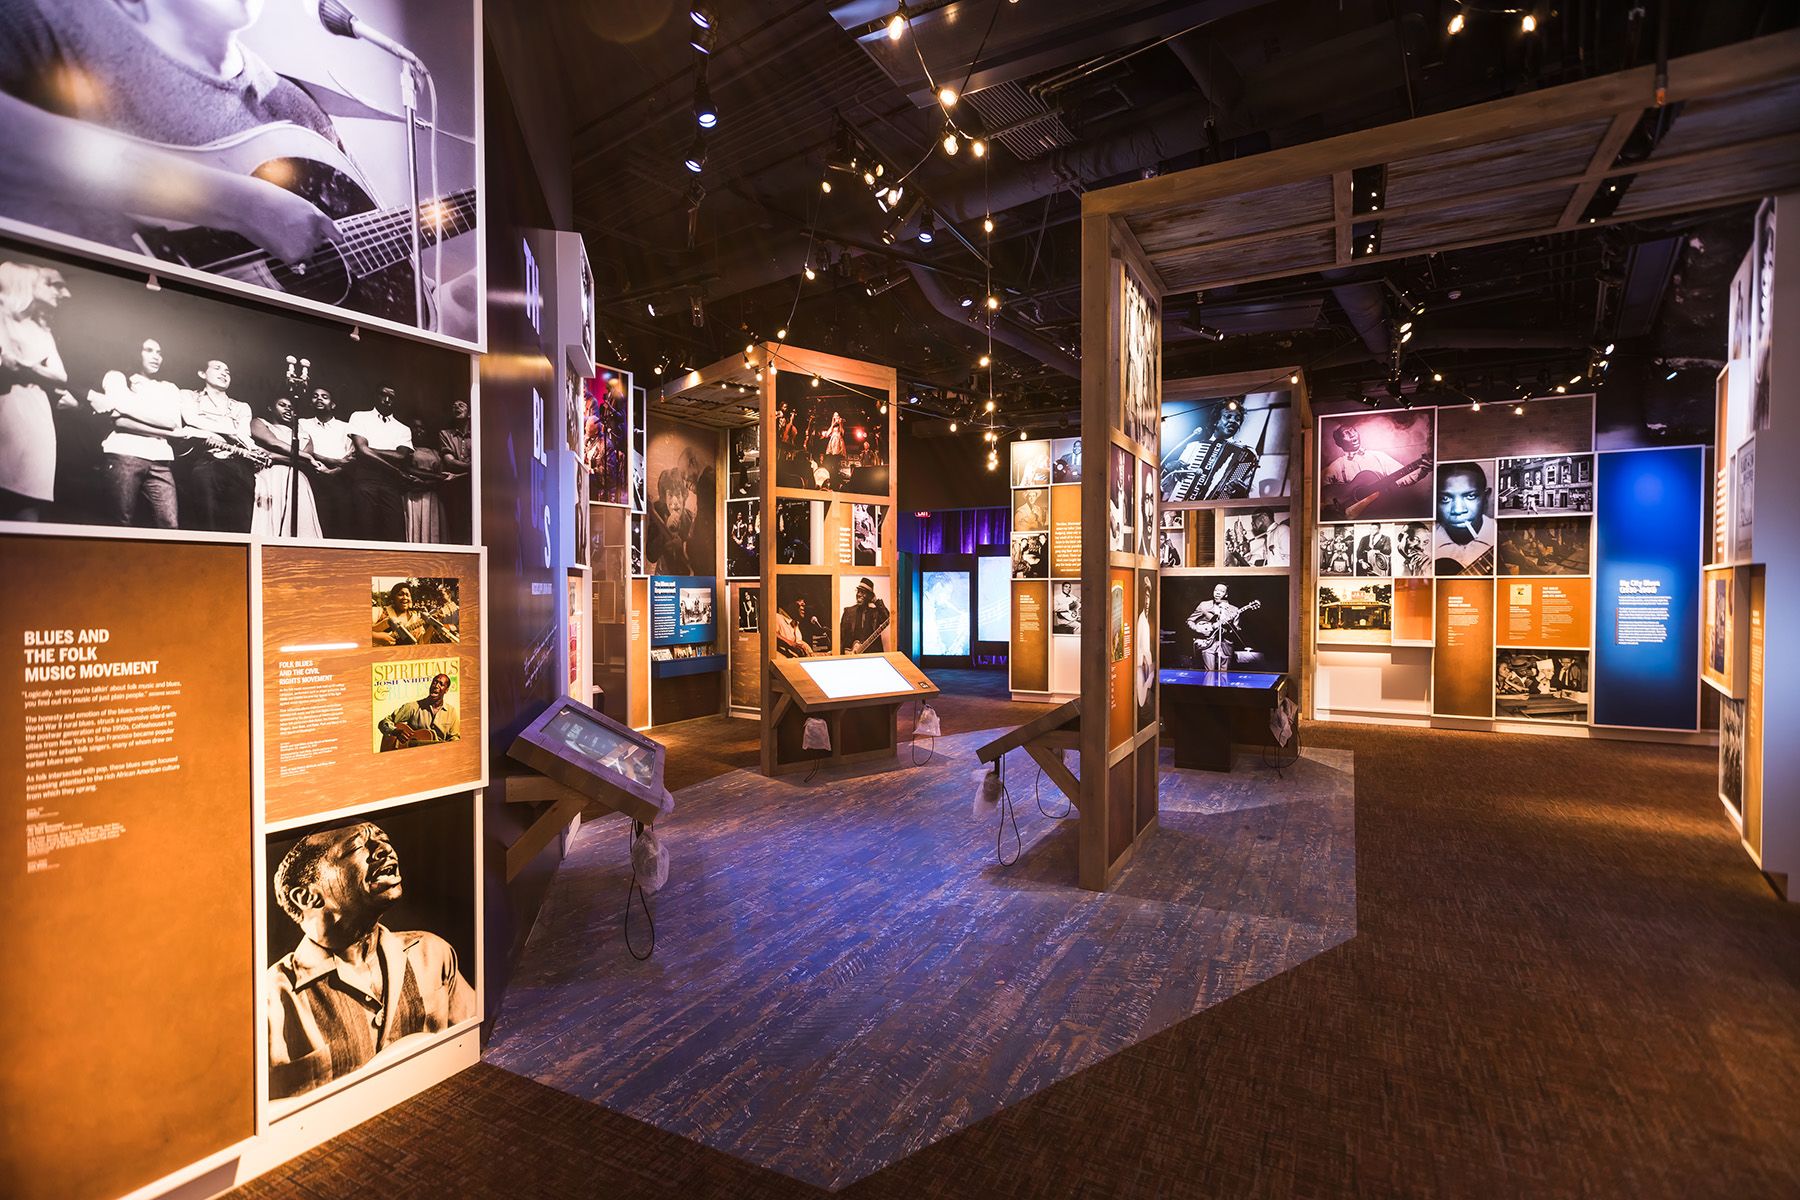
1306,252
1494,220
1770,166
1308,200
1711,120
1473,170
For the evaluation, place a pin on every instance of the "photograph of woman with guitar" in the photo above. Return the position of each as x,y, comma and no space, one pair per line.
1375,466
296,149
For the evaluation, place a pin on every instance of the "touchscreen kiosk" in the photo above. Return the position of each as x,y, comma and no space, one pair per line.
595,755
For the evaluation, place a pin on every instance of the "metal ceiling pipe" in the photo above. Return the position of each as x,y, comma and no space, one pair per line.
950,308
1363,305
1217,79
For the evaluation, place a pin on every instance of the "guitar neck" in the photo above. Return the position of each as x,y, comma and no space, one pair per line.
375,241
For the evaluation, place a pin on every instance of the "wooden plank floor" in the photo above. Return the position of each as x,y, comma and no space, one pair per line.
845,975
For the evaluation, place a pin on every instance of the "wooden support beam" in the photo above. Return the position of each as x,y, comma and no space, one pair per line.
542,831
1611,142
1057,770
1341,213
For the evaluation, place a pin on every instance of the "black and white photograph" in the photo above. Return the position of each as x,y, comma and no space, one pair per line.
1065,460
1375,466
1545,545
1762,305
1121,502
865,614
415,610
382,906
1731,752
1357,607
1546,487
637,544
1227,448
1254,537
1140,371
1337,550
1172,545
1146,508
1065,606
175,409
604,432
829,437
749,609
794,532
802,607
680,526
640,467
1031,556
262,148
743,539
1225,622
1030,464
1541,685
1374,550
1412,549
744,461
696,605
1031,509
1144,646
1462,541
867,523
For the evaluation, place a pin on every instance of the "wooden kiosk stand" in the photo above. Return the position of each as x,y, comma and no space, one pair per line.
583,755
857,695
1045,738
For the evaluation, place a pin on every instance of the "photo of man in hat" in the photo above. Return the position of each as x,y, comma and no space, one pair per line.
864,626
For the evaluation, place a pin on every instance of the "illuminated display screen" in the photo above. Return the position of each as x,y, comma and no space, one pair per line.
844,678
944,613
993,591
606,748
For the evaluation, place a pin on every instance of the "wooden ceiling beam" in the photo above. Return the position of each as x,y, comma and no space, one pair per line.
1611,142
1341,216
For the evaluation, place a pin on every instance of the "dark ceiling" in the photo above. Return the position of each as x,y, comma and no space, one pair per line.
1073,95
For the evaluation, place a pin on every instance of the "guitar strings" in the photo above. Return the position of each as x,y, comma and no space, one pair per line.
371,231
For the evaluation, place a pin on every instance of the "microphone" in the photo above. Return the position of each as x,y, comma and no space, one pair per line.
344,23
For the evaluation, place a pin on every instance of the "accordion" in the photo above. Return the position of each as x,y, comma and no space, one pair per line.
1211,471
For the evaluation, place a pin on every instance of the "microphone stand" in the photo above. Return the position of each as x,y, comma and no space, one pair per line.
409,104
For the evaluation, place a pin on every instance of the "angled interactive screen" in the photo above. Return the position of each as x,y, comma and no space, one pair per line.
944,614
844,678
993,587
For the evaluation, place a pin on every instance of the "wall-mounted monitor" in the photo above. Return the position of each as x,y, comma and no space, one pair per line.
944,614
993,588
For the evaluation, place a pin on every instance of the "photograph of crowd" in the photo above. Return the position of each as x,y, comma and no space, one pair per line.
169,409
1544,546
829,437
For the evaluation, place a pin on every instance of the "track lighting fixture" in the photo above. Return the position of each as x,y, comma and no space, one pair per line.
701,15
695,160
927,229
701,40
966,300
706,115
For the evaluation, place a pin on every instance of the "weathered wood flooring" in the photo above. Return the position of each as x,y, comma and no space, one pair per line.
845,975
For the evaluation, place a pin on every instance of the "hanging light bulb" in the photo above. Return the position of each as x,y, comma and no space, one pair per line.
993,302
809,272
1475,405
978,147
1528,24
815,381
990,406
947,96
987,224
951,144
1294,378
781,334
984,361
1455,27
953,427
1023,435
825,186
896,25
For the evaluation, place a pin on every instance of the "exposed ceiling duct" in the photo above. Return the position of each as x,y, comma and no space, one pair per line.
1024,341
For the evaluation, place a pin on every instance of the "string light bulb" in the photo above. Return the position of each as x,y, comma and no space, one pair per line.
951,144
984,361
990,406
993,302
809,272
978,147
953,427
1528,24
825,186
1455,27
896,24
781,334
947,96
987,224
1294,378
815,381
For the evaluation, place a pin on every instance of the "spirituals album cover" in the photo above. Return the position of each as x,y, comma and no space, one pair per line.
289,175
410,611
1375,466
417,702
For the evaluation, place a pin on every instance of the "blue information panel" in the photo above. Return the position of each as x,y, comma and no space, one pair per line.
681,610
1651,515
1252,680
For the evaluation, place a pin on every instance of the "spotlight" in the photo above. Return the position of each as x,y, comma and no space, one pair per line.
927,229
696,155
868,177
896,24
1406,327
704,111
650,307
701,40
951,144
701,15
1456,24
1670,375
947,96
978,147
1562,388
912,399
1609,348
967,301
1528,24
1575,379
893,194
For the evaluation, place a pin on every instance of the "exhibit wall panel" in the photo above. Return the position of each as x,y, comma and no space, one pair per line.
128,1050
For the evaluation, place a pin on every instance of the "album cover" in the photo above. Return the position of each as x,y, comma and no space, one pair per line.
417,703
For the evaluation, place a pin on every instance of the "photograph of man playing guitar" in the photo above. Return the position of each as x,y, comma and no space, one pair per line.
153,127
423,721
1374,467
1215,626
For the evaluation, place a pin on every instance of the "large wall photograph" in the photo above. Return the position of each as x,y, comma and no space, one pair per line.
289,179
1226,448
680,525
172,409
830,436
1225,622
1375,466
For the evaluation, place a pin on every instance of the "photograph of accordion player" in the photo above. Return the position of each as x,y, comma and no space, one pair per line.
1230,448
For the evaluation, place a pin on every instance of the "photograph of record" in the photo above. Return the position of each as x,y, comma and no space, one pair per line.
829,436
1031,556
1121,502
397,887
1225,622
1031,509
179,409
1462,541
1254,537
1375,466
1065,460
1546,487
1542,685
266,149
1337,550
1030,464
1545,546
1227,448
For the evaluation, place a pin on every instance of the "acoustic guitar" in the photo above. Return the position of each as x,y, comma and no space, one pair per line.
1351,499
874,639
370,271
405,737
